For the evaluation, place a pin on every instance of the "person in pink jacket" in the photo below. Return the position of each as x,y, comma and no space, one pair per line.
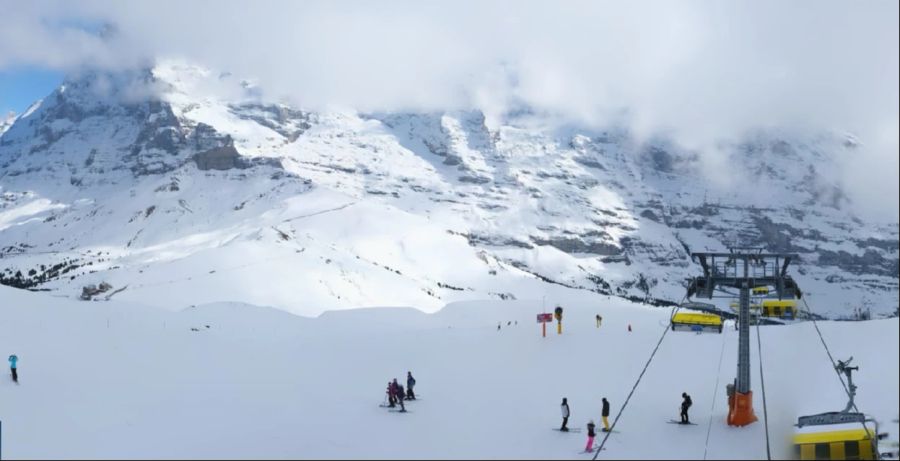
591,434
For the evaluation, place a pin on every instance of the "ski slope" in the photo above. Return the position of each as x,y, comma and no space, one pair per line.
119,379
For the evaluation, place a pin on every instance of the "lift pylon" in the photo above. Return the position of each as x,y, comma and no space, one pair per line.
742,269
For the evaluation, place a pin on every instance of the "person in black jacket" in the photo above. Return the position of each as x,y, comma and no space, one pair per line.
685,404
401,395
565,414
605,415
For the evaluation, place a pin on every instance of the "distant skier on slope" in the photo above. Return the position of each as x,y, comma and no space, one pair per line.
685,405
12,368
591,434
564,407
410,383
604,413
392,402
395,391
599,319
400,398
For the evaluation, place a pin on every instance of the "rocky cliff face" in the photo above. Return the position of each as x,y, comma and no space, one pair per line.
142,176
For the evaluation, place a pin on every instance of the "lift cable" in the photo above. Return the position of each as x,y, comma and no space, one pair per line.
835,367
715,394
633,388
762,382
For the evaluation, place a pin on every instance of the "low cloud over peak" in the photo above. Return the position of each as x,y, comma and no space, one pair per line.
700,71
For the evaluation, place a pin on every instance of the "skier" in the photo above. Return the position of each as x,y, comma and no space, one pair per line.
604,413
685,404
629,328
599,319
395,388
12,368
565,414
498,326
591,435
410,383
400,396
390,392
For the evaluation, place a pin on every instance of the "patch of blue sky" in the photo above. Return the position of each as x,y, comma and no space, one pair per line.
21,86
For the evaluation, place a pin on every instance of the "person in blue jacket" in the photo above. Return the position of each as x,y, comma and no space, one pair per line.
12,367
410,383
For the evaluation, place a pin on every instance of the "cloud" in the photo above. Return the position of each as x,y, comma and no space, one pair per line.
699,70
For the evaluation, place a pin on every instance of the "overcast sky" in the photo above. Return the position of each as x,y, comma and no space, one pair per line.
700,71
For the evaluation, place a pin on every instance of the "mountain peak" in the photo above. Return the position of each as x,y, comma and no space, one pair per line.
189,168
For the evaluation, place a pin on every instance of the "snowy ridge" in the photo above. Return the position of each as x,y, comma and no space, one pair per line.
182,176
6,122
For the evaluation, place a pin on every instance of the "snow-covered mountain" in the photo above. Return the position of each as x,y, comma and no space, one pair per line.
6,121
181,176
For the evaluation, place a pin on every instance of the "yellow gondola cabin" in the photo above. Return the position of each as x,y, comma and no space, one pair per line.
758,291
835,441
781,308
697,322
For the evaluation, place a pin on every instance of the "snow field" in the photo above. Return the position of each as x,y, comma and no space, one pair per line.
263,383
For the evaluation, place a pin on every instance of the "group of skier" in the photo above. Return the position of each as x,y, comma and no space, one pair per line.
604,415
396,394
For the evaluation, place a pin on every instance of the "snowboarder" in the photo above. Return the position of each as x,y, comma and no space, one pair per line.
12,368
565,414
599,319
685,404
604,413
591,435
410,383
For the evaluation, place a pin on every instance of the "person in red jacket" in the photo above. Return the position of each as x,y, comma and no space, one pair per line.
392,402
